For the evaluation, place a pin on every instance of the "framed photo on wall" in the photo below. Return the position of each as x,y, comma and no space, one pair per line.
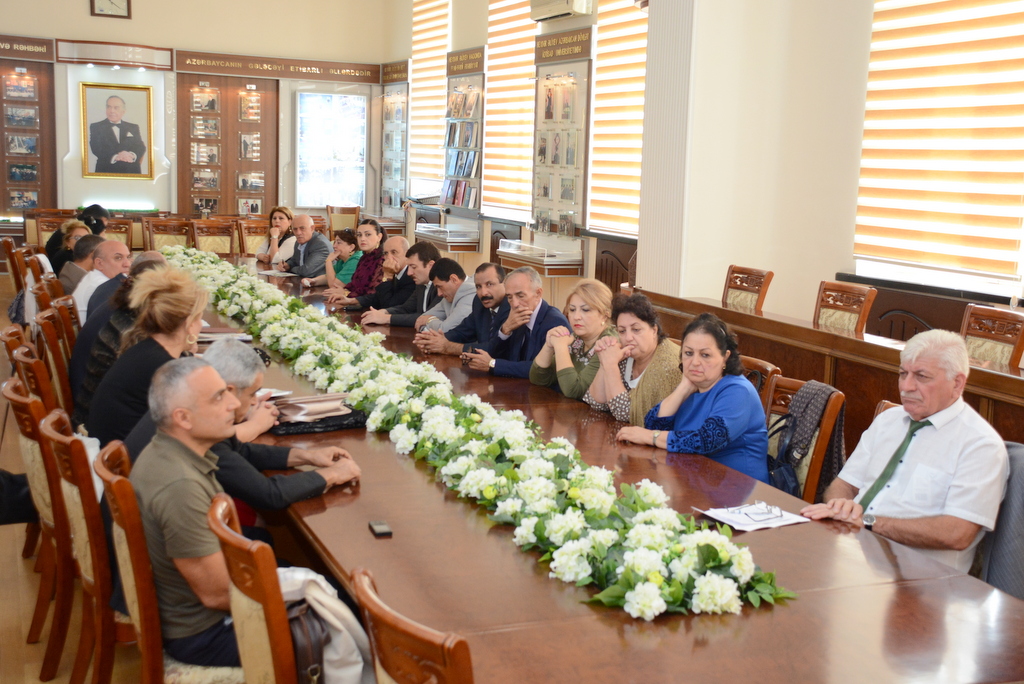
249,146
23,144
20,87
18,172
20,116
117,131
249,106
22,199
205,99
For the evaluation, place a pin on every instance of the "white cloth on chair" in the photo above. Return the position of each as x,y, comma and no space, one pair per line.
347,658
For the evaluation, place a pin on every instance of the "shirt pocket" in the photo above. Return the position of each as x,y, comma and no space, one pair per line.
928,487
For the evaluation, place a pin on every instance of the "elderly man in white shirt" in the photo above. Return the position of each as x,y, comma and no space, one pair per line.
457,294
110,259
931,474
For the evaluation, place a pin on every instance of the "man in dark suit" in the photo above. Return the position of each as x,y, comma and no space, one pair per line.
420,259
490,309
516,342
117,144
311,249
395,289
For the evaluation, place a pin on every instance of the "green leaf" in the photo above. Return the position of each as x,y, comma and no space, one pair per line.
615,595
754,598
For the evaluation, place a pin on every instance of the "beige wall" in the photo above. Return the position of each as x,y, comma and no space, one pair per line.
777,112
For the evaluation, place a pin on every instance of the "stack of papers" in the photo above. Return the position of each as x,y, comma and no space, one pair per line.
276,273
738,519
205,337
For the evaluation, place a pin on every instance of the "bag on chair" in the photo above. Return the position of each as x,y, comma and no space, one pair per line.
781,473
309,636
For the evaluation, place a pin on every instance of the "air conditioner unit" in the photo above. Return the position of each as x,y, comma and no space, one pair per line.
543,10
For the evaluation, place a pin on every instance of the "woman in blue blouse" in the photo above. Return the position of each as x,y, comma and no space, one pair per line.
715,410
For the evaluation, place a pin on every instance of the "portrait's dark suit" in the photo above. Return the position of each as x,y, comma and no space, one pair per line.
104,144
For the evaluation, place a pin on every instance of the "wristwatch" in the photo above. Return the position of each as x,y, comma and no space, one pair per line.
492,363
654,439
868,520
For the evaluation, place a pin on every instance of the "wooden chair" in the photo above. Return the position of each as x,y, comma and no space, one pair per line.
843,306
56,561
163,232
760,373
48,225
101,626
12,337
251,236
129,540
884,405
57,357
21,256
215,235
32,370
67,310
17,280
781,392
119,229
38,265
993,335
406,650
746,288
320,226
32,218
341,218
257,607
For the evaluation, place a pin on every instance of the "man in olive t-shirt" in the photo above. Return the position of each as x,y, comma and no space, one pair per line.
175,485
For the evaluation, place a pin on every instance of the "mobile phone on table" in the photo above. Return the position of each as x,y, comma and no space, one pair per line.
380,528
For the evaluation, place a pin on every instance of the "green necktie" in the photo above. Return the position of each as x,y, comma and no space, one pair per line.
890,467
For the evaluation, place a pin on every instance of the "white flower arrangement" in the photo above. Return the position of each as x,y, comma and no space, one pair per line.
642,554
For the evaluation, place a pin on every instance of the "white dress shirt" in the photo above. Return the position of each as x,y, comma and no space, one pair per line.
86,286
956,466
529,324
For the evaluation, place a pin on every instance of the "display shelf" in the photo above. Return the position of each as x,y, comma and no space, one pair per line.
463,142
454,238
394,143
550,260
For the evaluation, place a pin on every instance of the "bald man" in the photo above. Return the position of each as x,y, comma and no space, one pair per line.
311,250
111,258
398,284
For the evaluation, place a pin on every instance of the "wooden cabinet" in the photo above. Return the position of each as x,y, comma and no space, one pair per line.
28,175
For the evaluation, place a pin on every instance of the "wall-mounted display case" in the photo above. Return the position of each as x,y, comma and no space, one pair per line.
463,142
27,137
394,143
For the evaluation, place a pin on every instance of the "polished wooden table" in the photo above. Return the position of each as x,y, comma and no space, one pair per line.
868,609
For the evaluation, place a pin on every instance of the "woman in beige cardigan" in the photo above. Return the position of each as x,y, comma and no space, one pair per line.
638,369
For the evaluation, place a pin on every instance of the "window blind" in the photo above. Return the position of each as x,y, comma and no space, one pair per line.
508,105
941,182
430,28
618,119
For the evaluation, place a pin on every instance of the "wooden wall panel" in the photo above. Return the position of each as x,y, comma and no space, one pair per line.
864,386
42,133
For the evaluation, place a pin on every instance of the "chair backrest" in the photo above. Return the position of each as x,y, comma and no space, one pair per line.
129,539
32,370
257,607
843,306
884,405
1002,549
320,226
252,234
781,393
17,279
760,373
38,267
68,311
160,232
215,235
746,288
81,502
41,295
342,218
406,650
119,229
46,226
21,256
13,336
994,335
57,357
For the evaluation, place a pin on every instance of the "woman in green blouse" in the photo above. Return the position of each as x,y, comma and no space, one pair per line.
341,263
568,357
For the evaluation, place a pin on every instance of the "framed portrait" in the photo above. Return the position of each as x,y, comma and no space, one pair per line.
249,106
23,144
543,185
205,179
399,111
205,127
568,189
18,172
117,131
542,222
205,99
249,205
570,148
207,204
203,153
20,87
22,199
251,181
567,224
568,94
21,116
249,146
542,149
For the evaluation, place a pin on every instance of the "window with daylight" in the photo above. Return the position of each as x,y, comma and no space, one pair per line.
331,149
430,31
618,120
508,105
941,195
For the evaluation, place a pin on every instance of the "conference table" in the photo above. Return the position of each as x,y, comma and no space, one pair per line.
867,609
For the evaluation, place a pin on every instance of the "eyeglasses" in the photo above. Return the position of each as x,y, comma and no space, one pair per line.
76,238
758,511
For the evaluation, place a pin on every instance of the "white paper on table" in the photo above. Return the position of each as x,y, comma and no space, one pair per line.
214,336
274,393
743,523
277,274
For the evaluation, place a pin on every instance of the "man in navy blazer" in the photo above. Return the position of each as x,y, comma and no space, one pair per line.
490,309
117,144
517,341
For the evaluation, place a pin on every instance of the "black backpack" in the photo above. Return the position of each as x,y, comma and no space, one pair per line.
781,473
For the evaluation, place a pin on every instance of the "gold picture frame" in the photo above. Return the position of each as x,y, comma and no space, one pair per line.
117,150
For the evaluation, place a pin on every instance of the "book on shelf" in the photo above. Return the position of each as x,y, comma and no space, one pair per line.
453,160
471,197
474,164
460,192
471,104
469,134
460,167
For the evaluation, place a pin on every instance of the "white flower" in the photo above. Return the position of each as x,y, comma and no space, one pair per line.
651,494
665,517
715,594
405,439
717,540
509,507
570,563
597,500
456,469
643,562
524,533
475,481
652,537
743,565
683,567
539,494
605,538
645,601
536,467
593,478
561,526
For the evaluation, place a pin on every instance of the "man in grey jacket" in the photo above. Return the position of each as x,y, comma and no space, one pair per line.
457,295
311,250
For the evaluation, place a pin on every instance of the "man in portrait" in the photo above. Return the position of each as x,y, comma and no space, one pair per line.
117,144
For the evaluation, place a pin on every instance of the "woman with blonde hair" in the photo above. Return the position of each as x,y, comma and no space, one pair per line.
568,357
169,305
71,230
280,243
